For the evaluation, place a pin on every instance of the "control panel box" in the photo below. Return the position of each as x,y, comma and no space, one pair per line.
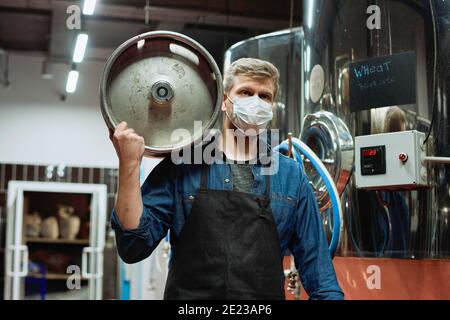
391,161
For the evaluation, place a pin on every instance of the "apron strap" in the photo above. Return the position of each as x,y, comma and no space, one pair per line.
267,186
265,201
205,177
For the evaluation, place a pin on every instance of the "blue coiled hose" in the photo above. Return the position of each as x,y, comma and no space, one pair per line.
300,147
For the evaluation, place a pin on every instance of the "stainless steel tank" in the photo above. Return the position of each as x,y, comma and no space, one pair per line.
409,224
315,98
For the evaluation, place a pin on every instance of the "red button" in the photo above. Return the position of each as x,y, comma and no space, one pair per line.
403,157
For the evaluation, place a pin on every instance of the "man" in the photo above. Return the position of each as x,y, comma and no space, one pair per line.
230,225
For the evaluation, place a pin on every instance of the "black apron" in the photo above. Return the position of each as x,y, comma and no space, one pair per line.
228,248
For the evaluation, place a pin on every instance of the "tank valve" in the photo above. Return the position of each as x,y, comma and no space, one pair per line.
162,92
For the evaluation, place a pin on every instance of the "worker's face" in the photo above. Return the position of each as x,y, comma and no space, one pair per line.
246,87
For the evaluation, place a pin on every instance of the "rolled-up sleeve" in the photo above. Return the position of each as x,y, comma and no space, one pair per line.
134,245
310,249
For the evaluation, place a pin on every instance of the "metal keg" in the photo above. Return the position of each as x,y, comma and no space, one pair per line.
166,86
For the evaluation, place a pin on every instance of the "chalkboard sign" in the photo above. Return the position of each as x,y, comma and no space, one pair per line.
383,81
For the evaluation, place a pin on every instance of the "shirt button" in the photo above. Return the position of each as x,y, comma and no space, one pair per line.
227,180
191,197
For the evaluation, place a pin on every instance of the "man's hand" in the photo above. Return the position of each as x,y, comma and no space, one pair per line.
129,145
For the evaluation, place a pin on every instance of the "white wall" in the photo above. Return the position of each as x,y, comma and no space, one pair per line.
36,127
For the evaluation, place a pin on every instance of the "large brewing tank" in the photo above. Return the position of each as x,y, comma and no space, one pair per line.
409,224
314,104
166,86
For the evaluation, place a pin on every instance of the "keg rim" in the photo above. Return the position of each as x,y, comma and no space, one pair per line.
154,150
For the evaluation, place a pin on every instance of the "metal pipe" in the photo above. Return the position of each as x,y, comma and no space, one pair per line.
437,159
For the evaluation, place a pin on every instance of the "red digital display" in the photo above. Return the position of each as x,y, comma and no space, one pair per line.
369,152
373,160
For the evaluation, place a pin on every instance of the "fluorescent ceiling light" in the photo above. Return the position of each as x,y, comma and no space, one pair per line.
72,80
308,58
80,47
307,90
310,13
89,7
45,73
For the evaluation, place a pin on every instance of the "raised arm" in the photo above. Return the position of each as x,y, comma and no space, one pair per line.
141,217
130,149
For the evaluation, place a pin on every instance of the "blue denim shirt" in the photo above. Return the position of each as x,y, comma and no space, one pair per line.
169,192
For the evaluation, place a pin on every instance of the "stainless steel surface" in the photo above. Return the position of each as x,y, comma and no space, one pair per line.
160,82
329,137
408,224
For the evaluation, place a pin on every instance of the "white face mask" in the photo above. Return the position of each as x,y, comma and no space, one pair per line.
250,113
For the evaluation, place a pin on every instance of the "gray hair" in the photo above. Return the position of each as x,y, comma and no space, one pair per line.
254,69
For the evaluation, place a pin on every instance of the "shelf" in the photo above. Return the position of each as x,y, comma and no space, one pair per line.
61,241
54,276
